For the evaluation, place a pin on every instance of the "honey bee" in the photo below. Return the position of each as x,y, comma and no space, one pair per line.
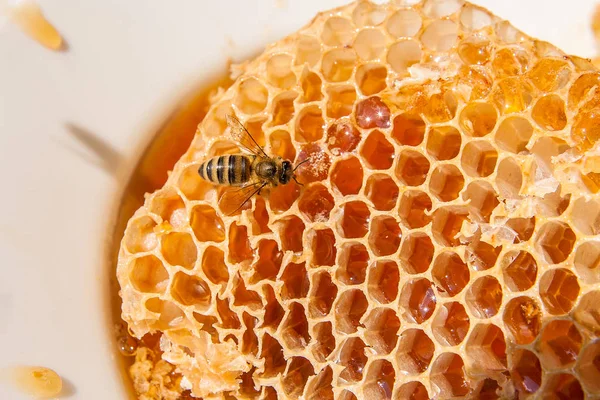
251,172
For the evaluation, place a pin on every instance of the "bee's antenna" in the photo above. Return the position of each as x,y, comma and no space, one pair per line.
300,163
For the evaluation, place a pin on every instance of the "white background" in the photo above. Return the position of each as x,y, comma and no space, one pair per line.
128,64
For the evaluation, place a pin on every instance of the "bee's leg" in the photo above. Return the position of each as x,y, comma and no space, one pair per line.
296,180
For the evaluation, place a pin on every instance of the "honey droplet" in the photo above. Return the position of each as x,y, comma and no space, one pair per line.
38,382
127,345
29,17
372,113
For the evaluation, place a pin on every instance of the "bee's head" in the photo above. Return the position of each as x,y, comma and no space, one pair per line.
287,172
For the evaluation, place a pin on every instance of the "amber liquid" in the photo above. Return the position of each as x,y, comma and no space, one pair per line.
168,144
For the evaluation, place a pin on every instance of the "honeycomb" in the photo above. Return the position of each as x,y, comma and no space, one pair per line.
444,243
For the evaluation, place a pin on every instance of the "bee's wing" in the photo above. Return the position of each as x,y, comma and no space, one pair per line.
240,135
234,198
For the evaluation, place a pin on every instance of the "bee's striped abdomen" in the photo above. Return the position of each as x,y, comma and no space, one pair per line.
233,169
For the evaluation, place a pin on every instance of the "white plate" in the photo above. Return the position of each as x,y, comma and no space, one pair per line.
127,65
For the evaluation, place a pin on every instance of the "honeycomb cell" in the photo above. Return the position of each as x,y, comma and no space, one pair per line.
383,281
370,44
279,71
441,8
170,207
586,312
447,375
353,358
324,342
440,35
251,96
415,352
372,113
526,371
229,320
320,387
272,353
513,134
193,186
404,23
519,269
564,386
140,235
338,64
474,50
385,236
510,61
273,310
377,152
323,247
380,380
352,264
371,78
347,176
368,14
213,265
354,221
450,274
479,158
294,330
477,79
239,244
413,391
417,300
549,74
283,108
441,107
417,253
555,241
342,137
484,297
310,125
337,31
446,182
585,129
478,119
291,230
260,217
317,166
206,224
247,385
170,315
294,380
549,113
281,144
451,324
414,209
311,85
523,227
340,101
349,310
295,282
523,318
382,191
148,275
513,95
482,200
381,333
412,168
308,50
403,54
509,179
245,297
409,130
179,249
482,256
559,290
587,262
269,261
190,290
322,295
588,366
584,89
347,395
487,347
443,142
447,223
249,340
316,203
560,344
586,216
